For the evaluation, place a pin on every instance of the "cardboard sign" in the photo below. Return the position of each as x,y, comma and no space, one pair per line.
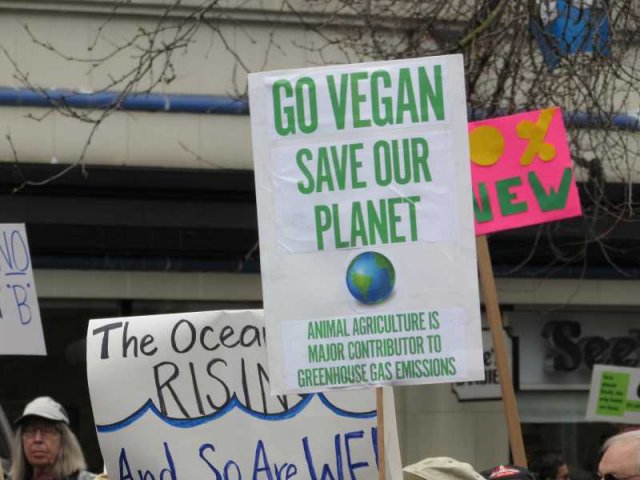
367,246
186,396
20,324
521,170
489,388
614,395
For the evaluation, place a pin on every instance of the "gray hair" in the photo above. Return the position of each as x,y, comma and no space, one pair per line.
622,437
626,437
70,459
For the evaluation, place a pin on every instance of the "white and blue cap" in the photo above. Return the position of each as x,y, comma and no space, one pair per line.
44,407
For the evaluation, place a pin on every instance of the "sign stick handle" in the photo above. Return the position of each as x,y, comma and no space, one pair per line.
490,296
382,466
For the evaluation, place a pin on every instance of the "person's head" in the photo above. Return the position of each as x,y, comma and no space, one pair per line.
43,441
552,466
440,468
621,457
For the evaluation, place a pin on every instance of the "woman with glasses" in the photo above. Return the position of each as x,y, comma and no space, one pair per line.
45,448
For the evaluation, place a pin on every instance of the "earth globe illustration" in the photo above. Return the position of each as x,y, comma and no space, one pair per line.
371,277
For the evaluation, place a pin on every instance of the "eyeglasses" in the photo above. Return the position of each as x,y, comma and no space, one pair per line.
45,429
611,476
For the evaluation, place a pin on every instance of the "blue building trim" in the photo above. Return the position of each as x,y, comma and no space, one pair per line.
225,105
141,102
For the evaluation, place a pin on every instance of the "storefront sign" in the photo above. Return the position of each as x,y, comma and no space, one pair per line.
366,225
489,388
521,170
559,351
614,395
20,325
186,396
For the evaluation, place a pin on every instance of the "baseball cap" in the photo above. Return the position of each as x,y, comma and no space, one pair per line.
44,407
509,472
441,468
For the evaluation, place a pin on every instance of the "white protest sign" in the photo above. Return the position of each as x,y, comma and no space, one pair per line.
186,396
614,395
367,243
20,324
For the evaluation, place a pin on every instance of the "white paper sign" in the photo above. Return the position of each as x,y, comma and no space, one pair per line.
186,396
614,395
20,324
367,242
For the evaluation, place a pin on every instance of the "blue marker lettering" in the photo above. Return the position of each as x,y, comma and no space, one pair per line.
203,448
326,469
261,455
353,466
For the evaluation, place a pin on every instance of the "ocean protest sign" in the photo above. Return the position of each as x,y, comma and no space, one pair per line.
614,395
20,323
186,396
521,171
366,224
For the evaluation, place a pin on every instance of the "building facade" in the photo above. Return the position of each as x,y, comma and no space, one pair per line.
151,209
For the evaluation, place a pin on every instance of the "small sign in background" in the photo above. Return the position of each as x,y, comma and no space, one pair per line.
20,324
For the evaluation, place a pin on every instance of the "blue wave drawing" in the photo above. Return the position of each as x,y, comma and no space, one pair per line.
149,406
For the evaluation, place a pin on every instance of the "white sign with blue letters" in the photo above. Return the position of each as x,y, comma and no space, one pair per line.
186,396
20,324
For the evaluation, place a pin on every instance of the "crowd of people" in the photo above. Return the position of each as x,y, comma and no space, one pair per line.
45,448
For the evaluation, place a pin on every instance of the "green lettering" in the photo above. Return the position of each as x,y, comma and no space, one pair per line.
381,153
313,353
357,225
310,124
357,98
355,165
377,219
412,200
311,331
506,198
302,155
402,175
482,208
324,176
338,101
283,87
386,118
406,98
323,223
336,229
340,164
394,219
552,200
429,96
420,154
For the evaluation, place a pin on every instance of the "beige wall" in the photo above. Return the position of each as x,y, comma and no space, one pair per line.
215,62
247,37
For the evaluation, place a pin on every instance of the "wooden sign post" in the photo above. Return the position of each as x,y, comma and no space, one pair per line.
522,175
492,306
382,466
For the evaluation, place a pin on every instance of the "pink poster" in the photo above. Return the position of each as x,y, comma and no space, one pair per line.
521,171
